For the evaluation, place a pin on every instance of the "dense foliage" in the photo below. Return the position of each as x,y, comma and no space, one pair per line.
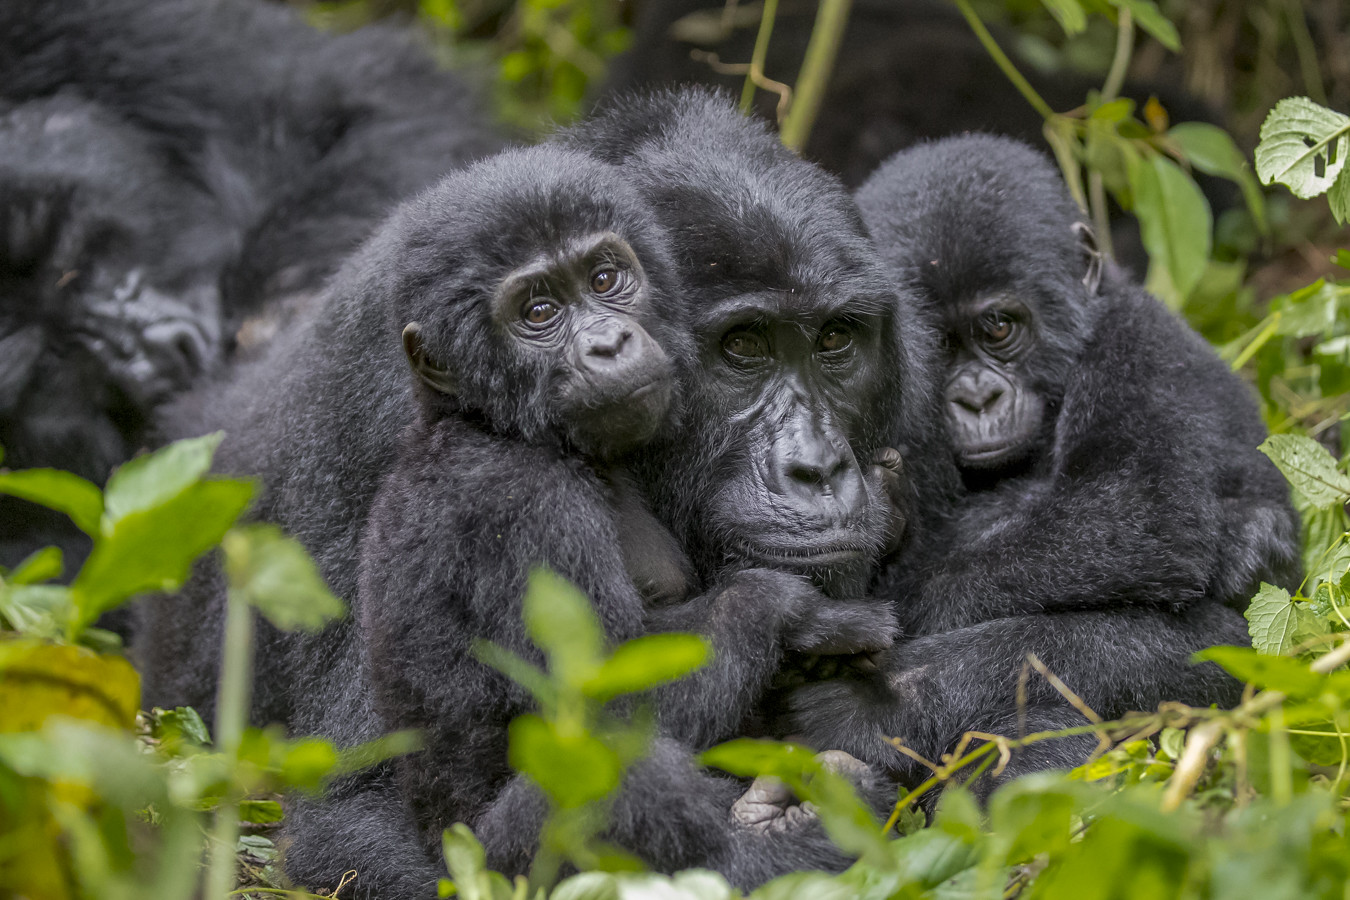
99,798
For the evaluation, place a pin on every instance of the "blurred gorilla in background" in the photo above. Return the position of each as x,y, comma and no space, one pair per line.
1117,513
178,178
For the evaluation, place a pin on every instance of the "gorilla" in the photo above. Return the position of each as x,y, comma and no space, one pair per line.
764,478
1117,510
109,299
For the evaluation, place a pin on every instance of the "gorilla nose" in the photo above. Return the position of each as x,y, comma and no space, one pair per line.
176,348
606,342
976,395
817,473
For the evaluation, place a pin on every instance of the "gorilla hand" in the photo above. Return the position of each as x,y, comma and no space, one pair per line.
769,805
887,472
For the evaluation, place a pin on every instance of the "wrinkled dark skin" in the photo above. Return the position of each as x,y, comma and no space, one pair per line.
1117,511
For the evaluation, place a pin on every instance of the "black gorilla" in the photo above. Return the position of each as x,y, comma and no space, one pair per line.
783,500
109,259
177,176
1116,506
553,294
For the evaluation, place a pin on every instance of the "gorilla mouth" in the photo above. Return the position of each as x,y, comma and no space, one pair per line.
990,453
807,556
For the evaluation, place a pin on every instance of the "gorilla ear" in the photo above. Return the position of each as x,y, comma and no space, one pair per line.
1092,254
432,375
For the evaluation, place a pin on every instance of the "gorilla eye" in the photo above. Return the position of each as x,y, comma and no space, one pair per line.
537,312
605,280
744,345
835,338
997,327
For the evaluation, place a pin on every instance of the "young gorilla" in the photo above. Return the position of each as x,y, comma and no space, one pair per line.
1117,505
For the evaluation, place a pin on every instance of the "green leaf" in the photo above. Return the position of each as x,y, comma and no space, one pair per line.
1309,468
1279,673
521,671
467,862
1303,146
61,491
573,769
1069,14
272,572
41,565
260,812
1033,815
153,550
39,680
37,610
306,763
1339,197
1210,149
1175,224
1151,19
647,661
562,623
1276,622
155,478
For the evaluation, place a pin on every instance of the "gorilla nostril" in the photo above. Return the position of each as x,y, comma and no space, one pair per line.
609,345
179,348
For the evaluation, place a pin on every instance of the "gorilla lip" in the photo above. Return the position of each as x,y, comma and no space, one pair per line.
829,555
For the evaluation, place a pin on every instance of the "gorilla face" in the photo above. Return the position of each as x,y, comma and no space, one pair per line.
108,266
994,413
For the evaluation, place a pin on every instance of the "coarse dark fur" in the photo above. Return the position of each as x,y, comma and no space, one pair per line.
1112,541
178,178
318,419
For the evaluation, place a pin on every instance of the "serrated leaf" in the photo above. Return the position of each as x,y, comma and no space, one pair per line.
155,478
61,491
273,573
647,661
1275,621
1303,146
1151,19
1210,149
1175,224
153,550
1308,466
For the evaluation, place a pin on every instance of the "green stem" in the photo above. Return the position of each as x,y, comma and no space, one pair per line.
236,681
1001,59
1120,64
1306,50
761,52
1101,222
1281,760
826,36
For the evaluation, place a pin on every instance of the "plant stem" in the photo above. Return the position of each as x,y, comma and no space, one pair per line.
236,681
1001,59
1306,50
826,35
761,52
1101,222
1121,62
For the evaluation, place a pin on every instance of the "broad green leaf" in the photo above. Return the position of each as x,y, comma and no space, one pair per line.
155,478
273,573
1278,673
561,622
153,550
1308,311
37,610
1175,224
1276,622
305,763
1303,146
467,862
932,856
1309,468
573,769
1339,198
178,724
1210,149
61,491
1151,19
1069,14
588,886
39,680
647,661
1032,816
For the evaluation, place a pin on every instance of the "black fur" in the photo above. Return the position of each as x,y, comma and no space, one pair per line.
1142,519
201,166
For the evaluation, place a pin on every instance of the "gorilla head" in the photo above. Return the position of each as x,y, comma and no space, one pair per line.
998,250
108,266
534,291
798,369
